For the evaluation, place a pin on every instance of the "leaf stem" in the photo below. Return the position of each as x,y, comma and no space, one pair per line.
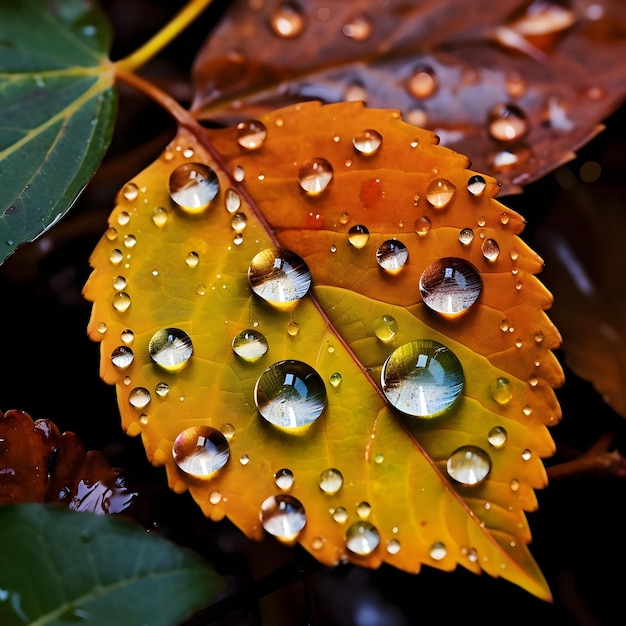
170,31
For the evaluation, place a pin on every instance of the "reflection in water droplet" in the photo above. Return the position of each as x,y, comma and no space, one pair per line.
497,436
339,514
335,379
283,479
438,551
362,538
501,390
440,192
192,186
476,185
162,389
290,394
359,28
250,345
507,122
422,83
201,451
450,286
331,481
130,191
392,256
422,378
122,357
367,141
469,465
358,236
279,277
490,249
315,175
139,397
423,225
283,516
170,348
466,236
386,328
288,20
251,134
121,301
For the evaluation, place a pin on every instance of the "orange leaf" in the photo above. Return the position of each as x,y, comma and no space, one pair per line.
347,415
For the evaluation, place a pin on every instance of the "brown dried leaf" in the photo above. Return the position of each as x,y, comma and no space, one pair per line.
482,55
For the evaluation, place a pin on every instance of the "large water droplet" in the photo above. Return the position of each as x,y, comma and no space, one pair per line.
279,277
468,465
122,357
358,236
422,378
422,83
288,20
497,436
386,328
440,192
507,122
315,175
283,516
201,451
367,141
250,345
290,394
192,186
362,538
251,134
170,348
450,286
392,255
331,481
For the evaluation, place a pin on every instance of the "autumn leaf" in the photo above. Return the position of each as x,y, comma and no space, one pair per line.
326,328
517,86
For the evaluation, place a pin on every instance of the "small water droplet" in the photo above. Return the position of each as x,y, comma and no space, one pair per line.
331,481
123,218
386,328
239,222
201,289
130,241
363,510
422,83
317,543
476,185
343,218
116,256
251,134
423,225
192,186
122,357
527,410
367,142
127,335
466,236
393,546
250,345
315,175
290,394
201,451
392,255
335,379
130,191
362,538
237,240
119,283
171,348
228,430
160,216
497,436
339,514
283,479
283,516
144,419
288,20
232,200
468,465
450,286
215,497
121,301
514,485
504,218
422,378
359,28
293,328
192,260
417,116
438,551
507,122
440,192
501,391
101,327
379,458
139,397
358,236
111,233
244,459
162,389
239,173
490,249
526,454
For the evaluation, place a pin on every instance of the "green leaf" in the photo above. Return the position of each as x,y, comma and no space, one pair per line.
57,111
58,566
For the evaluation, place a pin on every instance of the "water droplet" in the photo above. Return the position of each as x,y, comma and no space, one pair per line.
130,191
422,378
469,465
440,192
542,18
339,514
504,218
127,335
162,389
386,328
201,451
450,286
393,546
215,497
232,200
284,479
363,510
497,436
116,256
290,394
501,391
490,249
288,20
507,122
170,348
343,218
335,379
362,538
422,83
121,301
192,186
358,236
317,543
392,255
283,516
315,175
160,216
101,327
201,289
144,419
423,225
130,241
466,236
239,222
526,455
333,248
123,218
119,283
359,28
527,410
367,142
515,85
244,459
139,397
438,551
279,277
379,458
111,233
331,481
250,345
228,430
237,240
251,134
476,185
192,260
514,485
122,357
239,173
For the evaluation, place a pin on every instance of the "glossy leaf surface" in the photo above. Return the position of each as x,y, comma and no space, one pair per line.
59,566
516,85
57,107
180,279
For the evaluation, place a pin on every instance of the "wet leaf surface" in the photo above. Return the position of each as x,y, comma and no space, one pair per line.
59,566
273,401
517,86
57,107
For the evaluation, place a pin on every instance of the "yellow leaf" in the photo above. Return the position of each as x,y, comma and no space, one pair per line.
399,412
